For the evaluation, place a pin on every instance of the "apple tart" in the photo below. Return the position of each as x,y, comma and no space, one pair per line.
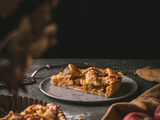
103,82
37,112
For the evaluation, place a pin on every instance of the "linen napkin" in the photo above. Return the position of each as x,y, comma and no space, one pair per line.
146,102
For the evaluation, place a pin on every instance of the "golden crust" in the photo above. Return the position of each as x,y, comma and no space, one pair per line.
37,112
104,82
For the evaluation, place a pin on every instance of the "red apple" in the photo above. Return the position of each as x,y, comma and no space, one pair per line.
137,116
157,113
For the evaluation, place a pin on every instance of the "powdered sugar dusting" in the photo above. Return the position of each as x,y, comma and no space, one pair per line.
69,116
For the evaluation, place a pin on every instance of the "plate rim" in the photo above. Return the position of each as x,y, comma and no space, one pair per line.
99,101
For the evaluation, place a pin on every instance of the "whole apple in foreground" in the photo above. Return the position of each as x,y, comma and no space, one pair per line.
157,113
137,116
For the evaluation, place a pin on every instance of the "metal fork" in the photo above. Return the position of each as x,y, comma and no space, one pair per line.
31,78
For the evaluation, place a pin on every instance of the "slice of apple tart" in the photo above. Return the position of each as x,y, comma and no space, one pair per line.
103,82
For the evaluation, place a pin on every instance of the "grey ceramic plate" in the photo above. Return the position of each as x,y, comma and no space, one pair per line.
127,88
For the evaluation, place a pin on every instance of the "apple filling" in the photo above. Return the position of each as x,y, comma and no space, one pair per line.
104,82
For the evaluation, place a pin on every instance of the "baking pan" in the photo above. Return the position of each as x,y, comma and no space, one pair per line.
16,103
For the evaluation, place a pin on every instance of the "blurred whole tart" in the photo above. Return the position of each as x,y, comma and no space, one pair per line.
103,82
37,112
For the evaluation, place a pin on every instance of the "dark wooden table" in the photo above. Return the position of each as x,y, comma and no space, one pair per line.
95,111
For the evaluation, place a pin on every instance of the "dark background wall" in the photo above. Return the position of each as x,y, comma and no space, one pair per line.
106,29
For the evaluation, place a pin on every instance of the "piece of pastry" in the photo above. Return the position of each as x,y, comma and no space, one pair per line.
103,82
37,112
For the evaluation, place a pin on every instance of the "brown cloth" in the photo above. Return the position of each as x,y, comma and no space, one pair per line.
149,73
146,102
